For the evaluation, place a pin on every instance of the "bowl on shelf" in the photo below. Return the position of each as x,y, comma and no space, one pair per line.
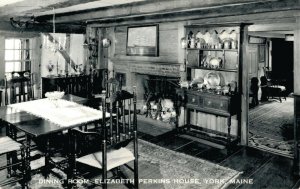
215,63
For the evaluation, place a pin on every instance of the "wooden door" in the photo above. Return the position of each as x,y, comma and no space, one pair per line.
252,60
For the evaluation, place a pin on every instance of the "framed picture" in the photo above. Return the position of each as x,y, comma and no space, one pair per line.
142,41
261,53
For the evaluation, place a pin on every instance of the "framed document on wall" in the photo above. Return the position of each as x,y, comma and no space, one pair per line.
142,41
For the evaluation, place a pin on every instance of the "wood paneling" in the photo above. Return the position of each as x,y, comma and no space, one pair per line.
253,61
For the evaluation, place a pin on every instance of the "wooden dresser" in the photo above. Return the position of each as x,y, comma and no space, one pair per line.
211,103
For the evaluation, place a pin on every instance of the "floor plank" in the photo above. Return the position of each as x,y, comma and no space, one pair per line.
276,173
193,148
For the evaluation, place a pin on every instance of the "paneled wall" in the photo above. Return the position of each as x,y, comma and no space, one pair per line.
170,52
168,44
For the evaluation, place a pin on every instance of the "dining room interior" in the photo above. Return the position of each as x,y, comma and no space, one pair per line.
149,94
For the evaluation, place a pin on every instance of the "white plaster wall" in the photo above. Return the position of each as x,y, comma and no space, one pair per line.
47,56
77,50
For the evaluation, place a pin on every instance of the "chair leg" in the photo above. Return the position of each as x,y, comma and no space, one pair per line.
23,169
104,165
136,170
8,162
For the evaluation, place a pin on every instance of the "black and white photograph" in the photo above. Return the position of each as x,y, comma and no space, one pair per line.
149,94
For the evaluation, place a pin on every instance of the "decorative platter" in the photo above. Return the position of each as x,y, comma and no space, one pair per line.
212,79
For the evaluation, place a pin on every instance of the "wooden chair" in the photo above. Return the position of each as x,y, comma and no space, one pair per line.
272,88
116,133
253,93
9,147
18,87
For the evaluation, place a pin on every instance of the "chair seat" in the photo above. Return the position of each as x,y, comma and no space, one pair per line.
7,144
115,158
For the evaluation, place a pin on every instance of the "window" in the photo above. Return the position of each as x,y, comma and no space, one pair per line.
17,55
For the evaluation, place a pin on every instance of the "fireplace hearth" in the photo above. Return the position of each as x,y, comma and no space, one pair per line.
155,83
158,97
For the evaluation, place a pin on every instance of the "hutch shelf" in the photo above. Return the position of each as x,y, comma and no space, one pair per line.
212,60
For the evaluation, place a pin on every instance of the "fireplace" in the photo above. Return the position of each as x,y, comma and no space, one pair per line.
156,84
156,96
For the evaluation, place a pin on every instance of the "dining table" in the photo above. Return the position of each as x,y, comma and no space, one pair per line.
46,117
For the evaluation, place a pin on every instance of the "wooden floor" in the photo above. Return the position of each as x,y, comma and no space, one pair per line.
267,170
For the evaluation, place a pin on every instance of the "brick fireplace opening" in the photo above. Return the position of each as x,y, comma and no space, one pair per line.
156,94
156,97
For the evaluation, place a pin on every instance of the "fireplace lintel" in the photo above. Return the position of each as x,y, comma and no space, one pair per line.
150,68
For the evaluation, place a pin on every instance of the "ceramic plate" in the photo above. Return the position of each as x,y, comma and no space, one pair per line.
212,79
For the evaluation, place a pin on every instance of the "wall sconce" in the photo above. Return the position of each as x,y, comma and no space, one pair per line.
106,42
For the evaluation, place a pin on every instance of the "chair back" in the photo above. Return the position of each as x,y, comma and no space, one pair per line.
18,87
117,130
121,126
267,73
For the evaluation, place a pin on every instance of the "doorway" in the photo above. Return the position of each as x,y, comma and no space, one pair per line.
271,121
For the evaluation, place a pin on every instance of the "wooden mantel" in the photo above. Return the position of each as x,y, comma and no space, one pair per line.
150,68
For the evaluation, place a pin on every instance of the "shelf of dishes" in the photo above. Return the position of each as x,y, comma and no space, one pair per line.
211,83
210,49
214,69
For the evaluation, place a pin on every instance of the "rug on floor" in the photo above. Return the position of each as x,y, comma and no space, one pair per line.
169,169
153,127
267,126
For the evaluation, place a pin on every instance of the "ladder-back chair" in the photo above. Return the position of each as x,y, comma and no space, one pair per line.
117,131
16,171
18,87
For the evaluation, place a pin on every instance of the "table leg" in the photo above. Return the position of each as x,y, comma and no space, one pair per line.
14,155
47,158
72,169
228,134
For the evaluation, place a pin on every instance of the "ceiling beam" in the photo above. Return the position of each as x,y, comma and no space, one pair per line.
267,34
166,7
44,28
252,13
272,27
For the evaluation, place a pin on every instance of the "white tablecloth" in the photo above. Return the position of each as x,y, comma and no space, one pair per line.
61,112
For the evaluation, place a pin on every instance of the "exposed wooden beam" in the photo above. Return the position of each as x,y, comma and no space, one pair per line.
123,14
144,7
267,34
44,28
273,27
